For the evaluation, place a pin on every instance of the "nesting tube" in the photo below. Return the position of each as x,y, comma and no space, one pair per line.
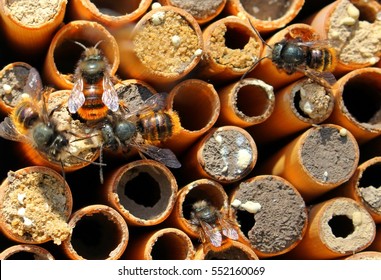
99,233
266,16
29,33
36,204
127,188
164,46
337,227
162,244
186,98
231,49
233,251
26,252
357,103
376,244
256,202
108,13
225,154
353,29
316,161
245,103
297,106
63,54
12,81
365,255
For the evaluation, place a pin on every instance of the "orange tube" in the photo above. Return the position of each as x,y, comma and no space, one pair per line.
127,188
365,255
253,201
26,252
376,244
99,233
318,160
297,107
163,244
36,203
232,251
337,227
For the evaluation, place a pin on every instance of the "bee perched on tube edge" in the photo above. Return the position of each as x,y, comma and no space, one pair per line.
213,224
93,93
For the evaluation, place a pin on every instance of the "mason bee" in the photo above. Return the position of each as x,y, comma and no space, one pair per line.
213,224
93,93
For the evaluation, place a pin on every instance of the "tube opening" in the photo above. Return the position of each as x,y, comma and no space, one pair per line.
140,186
252,101
116,8
235,38
246,221
231,253
161,250
95,237
23,255
371,176
297,99
341,226
266,10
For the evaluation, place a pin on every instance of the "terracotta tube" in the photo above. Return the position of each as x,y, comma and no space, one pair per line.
110,14
353,29
186,98
267,71
318,160
297,107
364,186
365,255
231,49
29,26
99,233
376,244
12,81
254,201
203,11
202,189
128,186
162,244
266,16
337,227
165,45
36,203
225,154
232,251
245,103
26,252
63,54
357,103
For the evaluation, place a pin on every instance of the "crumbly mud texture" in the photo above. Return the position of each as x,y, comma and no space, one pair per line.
280,221
235,58
315,103
31,12
372,196
355,40
231,253
199,9
12,84
227,155
328,155
166,43
266,9
132,96
34,207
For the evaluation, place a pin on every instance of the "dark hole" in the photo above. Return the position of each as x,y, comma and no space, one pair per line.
252,100
143,189
168,247
234,39
23,256
371,176
116,8
297,99
246,220
341,226
66,56
229,254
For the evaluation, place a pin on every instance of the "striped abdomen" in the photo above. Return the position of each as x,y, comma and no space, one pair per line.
158,126
321,60
93,109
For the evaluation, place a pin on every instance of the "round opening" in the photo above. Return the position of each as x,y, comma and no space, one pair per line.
246,221
23,255
116,8
296,102
235,38
162,249
371,176
138,194
266,10
341,226
252,101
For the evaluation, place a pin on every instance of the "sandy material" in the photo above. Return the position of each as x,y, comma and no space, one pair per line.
355,40
34,207
266,9
198,9
328,156
12,84
166,43
31,12
281,219
372,196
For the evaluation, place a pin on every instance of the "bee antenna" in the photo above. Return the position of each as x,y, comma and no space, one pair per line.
258,34
252,67
97,44
80,44
100,164
63,170
84,138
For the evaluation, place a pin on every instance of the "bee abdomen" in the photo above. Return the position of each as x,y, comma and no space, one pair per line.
156,126
320,60
25,115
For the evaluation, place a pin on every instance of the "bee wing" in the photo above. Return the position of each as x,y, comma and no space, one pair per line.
315,43
77,97
33,85
210,234
165,156
8,131
326,79
228,229
155,102
110,96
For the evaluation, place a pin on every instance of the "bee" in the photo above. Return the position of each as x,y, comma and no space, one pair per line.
213,223
93,93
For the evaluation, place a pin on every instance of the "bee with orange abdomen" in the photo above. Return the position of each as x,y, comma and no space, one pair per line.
213,224
93,93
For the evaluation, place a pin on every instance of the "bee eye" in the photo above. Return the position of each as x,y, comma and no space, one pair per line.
42,135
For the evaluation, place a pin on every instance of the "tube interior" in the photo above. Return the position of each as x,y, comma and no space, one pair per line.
24,255
266,10
231,253
341,226
161,250
116,8
252,101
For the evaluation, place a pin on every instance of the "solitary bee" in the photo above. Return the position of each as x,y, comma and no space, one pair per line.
213,223
93,93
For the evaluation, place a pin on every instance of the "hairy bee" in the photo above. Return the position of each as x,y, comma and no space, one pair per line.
213,224
93,93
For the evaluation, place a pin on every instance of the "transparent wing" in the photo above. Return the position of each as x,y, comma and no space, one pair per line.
8,131
326,79
211,235
155,102
110,96
77,98
228,229
316,43
33,85
165,156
